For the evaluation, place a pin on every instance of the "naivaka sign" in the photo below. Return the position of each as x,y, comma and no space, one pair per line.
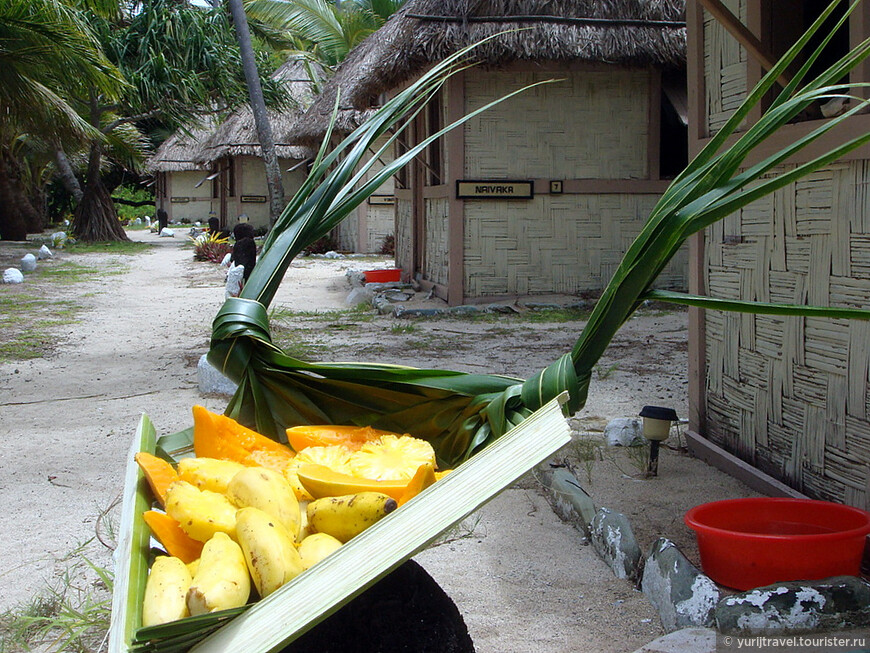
512,189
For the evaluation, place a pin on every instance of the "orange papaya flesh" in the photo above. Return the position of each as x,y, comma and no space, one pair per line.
219,436
320,482
324,435
423,478
158,473
168,532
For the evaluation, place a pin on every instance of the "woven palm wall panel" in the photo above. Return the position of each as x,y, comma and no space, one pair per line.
404,244
724,68
566,244
787,394
589,125
435,241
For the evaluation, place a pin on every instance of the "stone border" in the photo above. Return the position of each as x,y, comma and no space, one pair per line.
685,597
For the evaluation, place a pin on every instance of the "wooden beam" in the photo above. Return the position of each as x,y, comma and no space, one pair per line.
712,454
744,37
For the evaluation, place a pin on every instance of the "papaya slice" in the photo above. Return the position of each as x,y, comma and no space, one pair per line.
168,532
324,435
320,482
158,473
423,478
219,436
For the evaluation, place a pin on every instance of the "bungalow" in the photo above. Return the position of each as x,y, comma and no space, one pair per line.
179,186
543,193
785,396
234,159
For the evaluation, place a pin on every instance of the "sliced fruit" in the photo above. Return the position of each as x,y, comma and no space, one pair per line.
200,513
219,436
334,457
351,437
208,473
320,481
158,473
423,478
167,531
391,458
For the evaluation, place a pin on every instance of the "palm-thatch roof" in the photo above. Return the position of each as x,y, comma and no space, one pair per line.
619,32
237,135
178,152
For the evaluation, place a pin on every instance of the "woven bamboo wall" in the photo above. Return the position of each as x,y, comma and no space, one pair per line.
565,244
378,220
790,395
435,258
724,68
404,245
593,125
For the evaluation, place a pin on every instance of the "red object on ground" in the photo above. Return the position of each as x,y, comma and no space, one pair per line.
383,276
749,543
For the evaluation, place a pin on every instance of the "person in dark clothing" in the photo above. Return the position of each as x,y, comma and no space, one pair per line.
214,225
162,219
245,249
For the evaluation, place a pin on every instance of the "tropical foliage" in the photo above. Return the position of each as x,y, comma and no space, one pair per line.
47,55
324,30
460,412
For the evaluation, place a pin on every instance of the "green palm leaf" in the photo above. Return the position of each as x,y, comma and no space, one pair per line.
459,413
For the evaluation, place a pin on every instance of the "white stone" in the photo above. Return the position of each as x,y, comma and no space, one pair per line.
13,275
58,239
624,432
235,280
359,295
28,263
211,381
166,232
44,253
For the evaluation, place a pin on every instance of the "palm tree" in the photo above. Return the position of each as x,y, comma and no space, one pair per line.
274,185
182,61
325,29
47,54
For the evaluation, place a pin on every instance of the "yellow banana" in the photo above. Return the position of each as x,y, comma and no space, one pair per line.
200,514
222,580
268,490
347,516
165,591
269,552
315,548
208,473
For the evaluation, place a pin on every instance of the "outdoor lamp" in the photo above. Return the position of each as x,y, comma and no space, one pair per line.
656,428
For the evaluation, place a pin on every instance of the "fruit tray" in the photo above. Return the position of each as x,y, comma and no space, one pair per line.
309,598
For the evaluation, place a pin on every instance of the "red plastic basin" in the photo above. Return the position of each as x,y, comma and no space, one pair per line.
748,543
383,276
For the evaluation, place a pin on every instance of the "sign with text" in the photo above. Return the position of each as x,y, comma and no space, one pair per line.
253,199
382,200
496,189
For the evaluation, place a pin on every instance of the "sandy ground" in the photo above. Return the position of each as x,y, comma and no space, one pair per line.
524,580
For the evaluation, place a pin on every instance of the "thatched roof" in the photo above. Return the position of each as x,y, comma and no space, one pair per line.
237,135
178,152
423,32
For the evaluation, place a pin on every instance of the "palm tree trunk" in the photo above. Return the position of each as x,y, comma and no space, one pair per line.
16,211
66,174
95,219
258,107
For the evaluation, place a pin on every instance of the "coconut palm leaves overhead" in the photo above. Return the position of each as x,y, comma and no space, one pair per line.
326,30
460,412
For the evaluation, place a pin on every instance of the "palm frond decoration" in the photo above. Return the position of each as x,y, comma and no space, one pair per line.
459,412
